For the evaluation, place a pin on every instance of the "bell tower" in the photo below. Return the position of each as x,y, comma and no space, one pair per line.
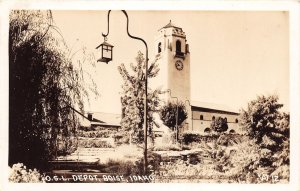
172,53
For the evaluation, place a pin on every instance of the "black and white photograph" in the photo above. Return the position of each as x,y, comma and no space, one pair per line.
150,96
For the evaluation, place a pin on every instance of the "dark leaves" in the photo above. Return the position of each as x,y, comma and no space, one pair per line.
168,114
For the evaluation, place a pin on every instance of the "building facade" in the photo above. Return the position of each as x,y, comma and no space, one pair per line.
204,113
173,56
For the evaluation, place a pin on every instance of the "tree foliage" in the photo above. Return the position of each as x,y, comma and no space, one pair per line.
133,96
219,125
168,114
264,122
45,87
268,127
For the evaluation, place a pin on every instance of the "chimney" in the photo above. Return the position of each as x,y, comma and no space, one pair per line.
90,116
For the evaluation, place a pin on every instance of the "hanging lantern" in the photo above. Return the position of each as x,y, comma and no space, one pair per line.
106,52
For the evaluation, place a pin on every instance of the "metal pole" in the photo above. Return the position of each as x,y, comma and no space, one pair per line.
146,86
145,115
177,121
191,112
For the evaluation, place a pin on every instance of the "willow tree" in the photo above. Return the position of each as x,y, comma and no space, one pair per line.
45,85
133,96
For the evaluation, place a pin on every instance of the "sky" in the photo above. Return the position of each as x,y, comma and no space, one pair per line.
235,55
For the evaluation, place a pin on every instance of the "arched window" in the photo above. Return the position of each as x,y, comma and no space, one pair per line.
232,131
201,117
213,118
178,46
159,47
225,119
207,130
236,120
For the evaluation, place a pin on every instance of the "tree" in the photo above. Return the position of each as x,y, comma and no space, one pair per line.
265,123
134,94
45,85
168,114
219,125
268,127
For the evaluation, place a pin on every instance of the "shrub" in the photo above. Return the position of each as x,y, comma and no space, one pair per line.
122,137
125,168
219,125
283,172
194,159
190,137
154,160
119,167
230,139
167,147
19,173
99,133
96,143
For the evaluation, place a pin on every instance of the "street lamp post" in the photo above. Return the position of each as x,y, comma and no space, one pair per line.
188,101
106,49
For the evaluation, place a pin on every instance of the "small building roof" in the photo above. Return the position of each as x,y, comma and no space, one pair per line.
213,106
106,119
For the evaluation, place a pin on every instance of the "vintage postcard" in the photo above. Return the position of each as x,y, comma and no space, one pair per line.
109,95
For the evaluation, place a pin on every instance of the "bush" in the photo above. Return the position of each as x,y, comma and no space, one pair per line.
230,139
241,163
167,147
94,143
191,137
154,160
100,133
121,167
121,137
219,125
19,173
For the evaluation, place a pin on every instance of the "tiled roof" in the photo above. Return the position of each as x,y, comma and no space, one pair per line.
213,106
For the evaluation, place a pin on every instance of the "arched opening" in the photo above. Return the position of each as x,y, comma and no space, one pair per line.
207,130
159,47
213,118
225,119
236,120
201,117
178,46
232,131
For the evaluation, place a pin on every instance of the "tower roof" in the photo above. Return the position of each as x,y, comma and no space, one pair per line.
170,25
